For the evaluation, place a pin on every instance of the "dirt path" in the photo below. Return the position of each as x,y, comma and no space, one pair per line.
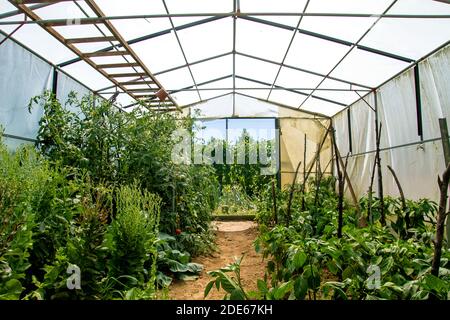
234,239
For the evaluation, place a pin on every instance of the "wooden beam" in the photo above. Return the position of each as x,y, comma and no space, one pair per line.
117,65
105,54
96,9
19,2
30,13
126,75
136,83
143,89
91,40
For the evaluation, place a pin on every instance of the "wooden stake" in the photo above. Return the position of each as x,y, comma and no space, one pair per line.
291,195
402,197
442,214
274,198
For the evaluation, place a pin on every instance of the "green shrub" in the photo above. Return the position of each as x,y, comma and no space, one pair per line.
132,235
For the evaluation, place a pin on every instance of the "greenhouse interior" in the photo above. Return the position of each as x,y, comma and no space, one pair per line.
224,150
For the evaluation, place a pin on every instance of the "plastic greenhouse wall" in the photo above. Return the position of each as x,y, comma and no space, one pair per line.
27,75
417,160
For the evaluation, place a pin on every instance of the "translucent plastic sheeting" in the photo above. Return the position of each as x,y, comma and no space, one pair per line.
24,76
40,41
13,144
198,44
292,147
417,164
222,107
261,40
66,85
416,168
131,29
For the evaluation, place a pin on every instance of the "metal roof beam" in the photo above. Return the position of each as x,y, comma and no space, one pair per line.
328,38
304,70
350,50
17,12
293,91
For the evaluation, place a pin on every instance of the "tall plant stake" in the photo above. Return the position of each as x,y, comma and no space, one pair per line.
402,197
274,198
304,175
291,195
442,215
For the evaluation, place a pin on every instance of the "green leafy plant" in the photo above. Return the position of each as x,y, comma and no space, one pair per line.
231,284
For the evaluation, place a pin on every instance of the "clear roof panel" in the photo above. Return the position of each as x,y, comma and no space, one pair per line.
199,6
154,52
420,7
198,44
186,97
61,10
348,6
87,75
131,29
225,83
213,69
287,98
412,38
256,69
267,6
315,54
176,80
320,106
345,97
5,6
82,31
261,40
291,78
349,29
367,68
210,94
40,41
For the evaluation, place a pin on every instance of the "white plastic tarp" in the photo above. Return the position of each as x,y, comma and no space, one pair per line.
416,164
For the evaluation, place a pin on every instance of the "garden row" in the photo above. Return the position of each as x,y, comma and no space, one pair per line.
99,211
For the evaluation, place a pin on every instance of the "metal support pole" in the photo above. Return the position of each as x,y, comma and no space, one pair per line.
278,131
418,102
55,81
446,147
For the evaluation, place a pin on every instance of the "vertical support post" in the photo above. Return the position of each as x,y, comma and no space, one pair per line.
378,160
350,140
279,133
55,81
446,147
418,102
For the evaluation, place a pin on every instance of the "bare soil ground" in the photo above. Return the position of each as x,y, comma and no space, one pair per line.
234,239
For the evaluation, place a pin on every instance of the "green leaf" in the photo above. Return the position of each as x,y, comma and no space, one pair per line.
208,288
176,266
300,288
237,294
262,286
299,259
281,292
163,280
13,290
195,267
